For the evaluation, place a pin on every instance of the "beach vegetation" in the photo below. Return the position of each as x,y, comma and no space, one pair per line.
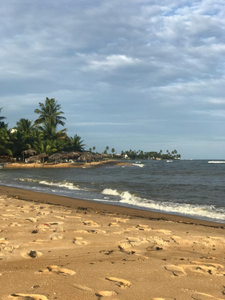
2,123
5,143
44,138
140,154
50,116
76,143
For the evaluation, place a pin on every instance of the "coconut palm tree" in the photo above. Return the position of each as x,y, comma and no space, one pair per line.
2,123
49,131
5,143
48,146
25,126
76,144
50,116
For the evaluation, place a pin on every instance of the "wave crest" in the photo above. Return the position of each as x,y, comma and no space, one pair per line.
61,184
191,210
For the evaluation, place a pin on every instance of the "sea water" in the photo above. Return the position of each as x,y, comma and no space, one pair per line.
192,188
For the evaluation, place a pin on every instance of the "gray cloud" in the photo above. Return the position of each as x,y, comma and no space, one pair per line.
141,74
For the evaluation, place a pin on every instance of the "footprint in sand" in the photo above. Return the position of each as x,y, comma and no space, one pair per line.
3,241
176,270
96,231
105,293
120,220
197,267
122,283
142,227
56,237
91,223
33,220
18,296
206,269
58,270
79,241
15,224
113,224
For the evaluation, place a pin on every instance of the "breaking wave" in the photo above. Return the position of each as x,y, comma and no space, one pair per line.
138,165
60,184
216,162
200,211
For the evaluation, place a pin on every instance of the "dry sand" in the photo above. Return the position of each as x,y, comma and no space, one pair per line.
54,247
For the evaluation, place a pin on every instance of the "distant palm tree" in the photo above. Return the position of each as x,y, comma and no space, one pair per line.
2,123
2,118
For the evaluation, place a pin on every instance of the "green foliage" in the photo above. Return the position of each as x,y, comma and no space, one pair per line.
2,123
50,116
76,144
42,135
48,146
5,143
133,154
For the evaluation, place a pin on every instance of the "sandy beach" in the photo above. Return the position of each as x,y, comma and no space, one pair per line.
22,165
53,247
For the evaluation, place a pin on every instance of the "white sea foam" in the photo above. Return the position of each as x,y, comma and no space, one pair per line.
138,165
110,192
201,211
62,184
216,162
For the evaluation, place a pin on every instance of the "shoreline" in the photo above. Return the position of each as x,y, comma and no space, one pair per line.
103,208
64,165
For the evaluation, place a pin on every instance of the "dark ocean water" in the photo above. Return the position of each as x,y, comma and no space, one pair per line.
194,188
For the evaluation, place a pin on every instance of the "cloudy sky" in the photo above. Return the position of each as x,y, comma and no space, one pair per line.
134,74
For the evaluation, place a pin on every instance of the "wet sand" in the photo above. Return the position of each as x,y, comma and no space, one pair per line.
54,247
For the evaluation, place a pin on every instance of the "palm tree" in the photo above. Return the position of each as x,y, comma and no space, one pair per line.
48,146
76,144
25,126
50,116
106,149
49,131
20,142
2,123
5,143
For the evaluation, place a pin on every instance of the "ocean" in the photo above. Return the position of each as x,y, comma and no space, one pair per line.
191,188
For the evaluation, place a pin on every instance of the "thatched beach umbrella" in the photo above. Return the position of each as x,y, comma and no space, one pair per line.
56,157
43,157
32,159
86,157
28,153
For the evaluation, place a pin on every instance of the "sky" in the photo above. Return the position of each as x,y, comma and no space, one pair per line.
129,74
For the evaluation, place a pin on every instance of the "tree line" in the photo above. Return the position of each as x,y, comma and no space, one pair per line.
41,135
140,154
